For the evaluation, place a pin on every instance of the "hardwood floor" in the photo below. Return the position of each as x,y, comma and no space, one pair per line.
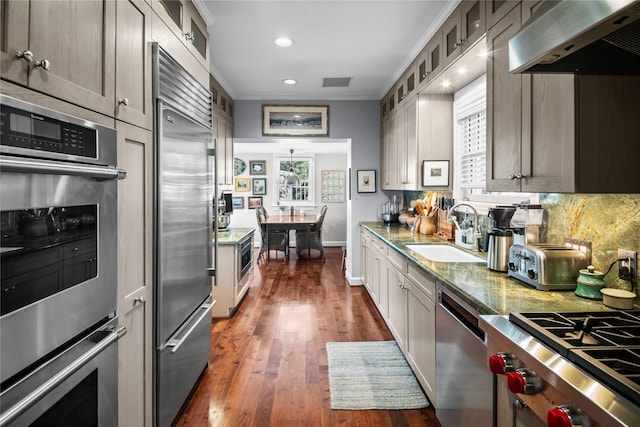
268,364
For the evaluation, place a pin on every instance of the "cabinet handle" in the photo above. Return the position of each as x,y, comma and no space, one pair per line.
123,101
44,64
517,176
190,36
27,55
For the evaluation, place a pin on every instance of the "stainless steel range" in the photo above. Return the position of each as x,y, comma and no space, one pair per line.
567,369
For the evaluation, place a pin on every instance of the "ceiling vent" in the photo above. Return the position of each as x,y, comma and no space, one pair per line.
336,81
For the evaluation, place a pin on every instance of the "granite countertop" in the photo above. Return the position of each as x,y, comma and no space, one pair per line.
233,235
487,291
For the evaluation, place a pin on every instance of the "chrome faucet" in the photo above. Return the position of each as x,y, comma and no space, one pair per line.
476,227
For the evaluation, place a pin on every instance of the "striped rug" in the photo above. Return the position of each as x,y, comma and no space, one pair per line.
372,375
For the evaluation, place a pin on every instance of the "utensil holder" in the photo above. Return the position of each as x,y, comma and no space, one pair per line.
427,225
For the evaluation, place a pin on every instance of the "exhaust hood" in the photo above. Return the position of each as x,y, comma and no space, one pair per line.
581,37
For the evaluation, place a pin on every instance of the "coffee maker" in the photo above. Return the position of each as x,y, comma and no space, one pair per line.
526,223
223,212
499,238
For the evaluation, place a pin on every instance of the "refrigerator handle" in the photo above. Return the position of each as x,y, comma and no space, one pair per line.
175,343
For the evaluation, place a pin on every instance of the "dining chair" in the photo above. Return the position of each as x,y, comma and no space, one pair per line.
311,239
279,239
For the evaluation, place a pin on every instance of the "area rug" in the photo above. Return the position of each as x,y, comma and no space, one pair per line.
372,375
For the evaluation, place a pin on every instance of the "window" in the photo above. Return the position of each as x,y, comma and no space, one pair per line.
469,149
295,178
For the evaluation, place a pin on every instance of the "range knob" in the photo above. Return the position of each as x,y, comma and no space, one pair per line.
501,363
566,416
524,381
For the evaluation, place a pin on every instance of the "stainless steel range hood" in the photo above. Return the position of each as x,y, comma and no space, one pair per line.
579,36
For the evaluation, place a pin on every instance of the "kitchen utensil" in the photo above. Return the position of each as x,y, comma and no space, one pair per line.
590,283
618,298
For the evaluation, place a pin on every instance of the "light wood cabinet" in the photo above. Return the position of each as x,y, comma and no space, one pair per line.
421,330
389,174
498,9
184,20
473,23
397,317
230,289
223,131
73,61
547,132
133,97
135,275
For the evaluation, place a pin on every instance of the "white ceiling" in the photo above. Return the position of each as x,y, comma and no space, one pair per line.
370,41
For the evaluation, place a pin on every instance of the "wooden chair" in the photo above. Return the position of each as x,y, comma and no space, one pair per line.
279,239
313,238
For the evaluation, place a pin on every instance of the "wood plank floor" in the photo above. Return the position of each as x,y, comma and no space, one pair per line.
268,364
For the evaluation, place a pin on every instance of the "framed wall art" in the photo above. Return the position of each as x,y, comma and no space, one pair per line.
237,202
242,184
295,120
435,173
257,167
259,186
367,181
254,202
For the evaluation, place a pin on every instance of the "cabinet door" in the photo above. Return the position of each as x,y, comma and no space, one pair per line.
389,154
376,271
133,63
434,56
14,38
196,35
473,23
421,336
410,169
498,9
224,151
135,275
435,142
397,305
451,38
80,51
504,108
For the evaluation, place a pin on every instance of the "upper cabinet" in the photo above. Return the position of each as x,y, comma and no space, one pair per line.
557,133
183,19
430,62
72,61
133,99
498,9
223,132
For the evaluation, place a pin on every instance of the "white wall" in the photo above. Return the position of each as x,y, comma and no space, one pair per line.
358,121
334,229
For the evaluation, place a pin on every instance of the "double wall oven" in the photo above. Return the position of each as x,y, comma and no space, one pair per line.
58,249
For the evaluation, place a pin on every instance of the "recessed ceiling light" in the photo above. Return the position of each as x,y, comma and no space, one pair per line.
283,42
290,81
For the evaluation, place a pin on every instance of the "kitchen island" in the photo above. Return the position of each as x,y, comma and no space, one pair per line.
487,291
234,269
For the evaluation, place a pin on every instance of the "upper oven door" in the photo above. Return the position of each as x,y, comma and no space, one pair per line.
58,255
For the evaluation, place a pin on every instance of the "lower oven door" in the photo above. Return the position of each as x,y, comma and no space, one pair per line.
76,388
511,411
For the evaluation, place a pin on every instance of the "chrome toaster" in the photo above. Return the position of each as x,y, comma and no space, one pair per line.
546,267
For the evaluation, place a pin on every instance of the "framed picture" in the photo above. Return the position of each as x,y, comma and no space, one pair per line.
257,167
237,202
367,181
435,173
242,184
259,186
254,202
295,120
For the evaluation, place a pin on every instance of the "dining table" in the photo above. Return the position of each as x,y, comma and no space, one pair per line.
287,223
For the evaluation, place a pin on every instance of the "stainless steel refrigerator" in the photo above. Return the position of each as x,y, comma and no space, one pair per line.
185,170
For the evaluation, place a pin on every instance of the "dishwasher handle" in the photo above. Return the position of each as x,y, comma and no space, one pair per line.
467,318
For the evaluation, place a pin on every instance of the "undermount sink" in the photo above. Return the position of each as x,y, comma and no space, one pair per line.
444,253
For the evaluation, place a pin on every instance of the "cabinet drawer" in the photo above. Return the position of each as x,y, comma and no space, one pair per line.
86,247
423,280
397,260
31,262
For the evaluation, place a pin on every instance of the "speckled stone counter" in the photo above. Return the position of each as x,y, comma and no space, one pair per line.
231,235
487,291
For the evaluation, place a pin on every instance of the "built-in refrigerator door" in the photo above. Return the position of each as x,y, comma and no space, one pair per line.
183,219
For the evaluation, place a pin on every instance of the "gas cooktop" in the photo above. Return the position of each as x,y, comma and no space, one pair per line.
606,345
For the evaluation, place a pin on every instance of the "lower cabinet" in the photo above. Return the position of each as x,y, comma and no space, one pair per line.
405,297
230,287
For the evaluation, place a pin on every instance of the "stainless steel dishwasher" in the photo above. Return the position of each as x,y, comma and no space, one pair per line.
464,385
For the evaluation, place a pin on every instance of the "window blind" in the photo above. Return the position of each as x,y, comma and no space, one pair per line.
473,159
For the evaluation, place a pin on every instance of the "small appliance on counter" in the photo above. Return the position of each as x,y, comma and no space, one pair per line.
546,267
224,211
526,223
391,211
499,238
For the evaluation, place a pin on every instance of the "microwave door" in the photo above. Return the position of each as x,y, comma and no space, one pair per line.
184,194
